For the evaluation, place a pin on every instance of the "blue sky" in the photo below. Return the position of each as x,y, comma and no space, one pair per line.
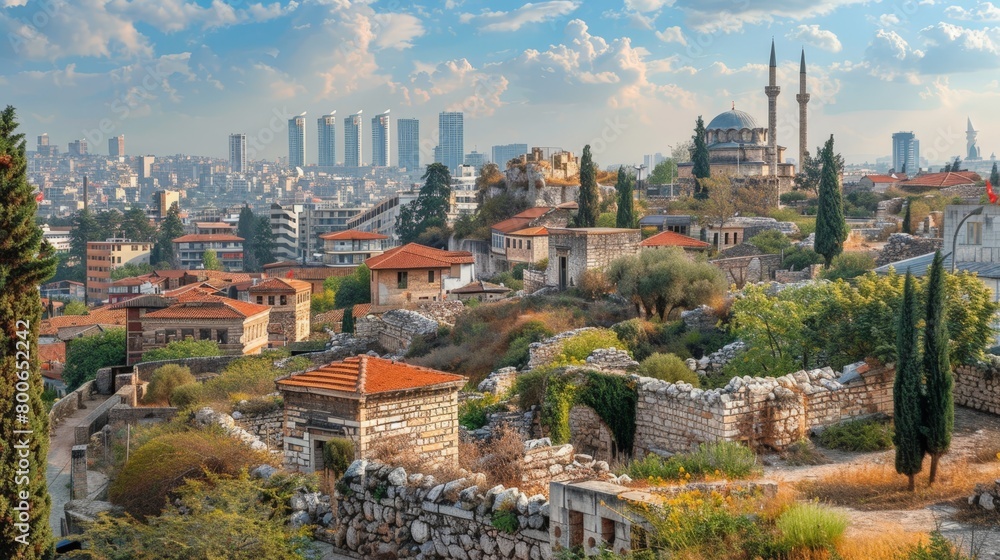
177,76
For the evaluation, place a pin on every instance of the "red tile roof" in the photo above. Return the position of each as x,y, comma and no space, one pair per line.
171,273
882,179
133,281
226,276
213,225
207,237
413,255
511,224
96,316
943,180
280,285
353,234
209,307
52,352
673,239
369,374
281,264
531,232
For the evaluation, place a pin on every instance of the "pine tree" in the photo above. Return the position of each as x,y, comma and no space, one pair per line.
136,226
27,261
589,198
263,242
245,229
430,209
625,217
831,229
699,156
939,409
347,324
906,219
170,229
995,176
906,389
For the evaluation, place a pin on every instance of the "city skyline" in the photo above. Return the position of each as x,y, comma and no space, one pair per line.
629,78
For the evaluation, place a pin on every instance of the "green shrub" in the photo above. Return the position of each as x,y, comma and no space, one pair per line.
183,349
614,399
163,382
530,387
849,265
576,348
505,520
520,339
632,333
799,259
186,396
338,454
939,548
858,435
259,405
472,413
811,526
725,458
792,196
669,368
803,452
771,241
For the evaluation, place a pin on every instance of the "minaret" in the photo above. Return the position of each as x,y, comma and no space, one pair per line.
971,150
772,90
803,99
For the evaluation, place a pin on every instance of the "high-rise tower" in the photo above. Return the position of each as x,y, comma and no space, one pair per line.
116,146
408,148
451,131
971,149
380,140
326,127
238,153
297,141
352,141
803,99
772,90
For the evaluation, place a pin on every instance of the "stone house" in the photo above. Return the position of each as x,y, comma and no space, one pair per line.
289,301
368,399
671,239
414,274
481,291
351,247
572,251
523,237
312,273
878,183
682,224
154,321
745,263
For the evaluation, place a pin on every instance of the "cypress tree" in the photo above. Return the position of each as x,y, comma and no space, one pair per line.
906,219
906,389
624,218
994,176
25,262
831,229
699,156
347,323
939,409
589,198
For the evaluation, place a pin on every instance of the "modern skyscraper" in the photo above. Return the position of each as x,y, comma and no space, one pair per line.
475,159
78,148
116,146
380,140
297,141
971,149
451,139
905,153
506,152
772,90
326,127
650,161
238,153
352,141
408,148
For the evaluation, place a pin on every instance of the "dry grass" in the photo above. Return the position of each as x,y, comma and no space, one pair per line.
501,458
879,487
889,543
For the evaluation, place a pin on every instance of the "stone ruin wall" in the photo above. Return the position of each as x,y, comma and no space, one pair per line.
267,426
979,387
395,330
589,434
903,246
774,412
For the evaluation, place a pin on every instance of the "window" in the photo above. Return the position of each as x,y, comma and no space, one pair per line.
974,233
204,334
727,238
508,243
270,300
260,300
284,300
430,276
529,244
401,279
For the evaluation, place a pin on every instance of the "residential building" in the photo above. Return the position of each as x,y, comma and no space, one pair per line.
285,228
326,146
930,182
408,148
879,183
368,399
64,289
190,250
238,153
290,302
575,251
315,274
650,161
735,231
162,201
451,139
682,224
78,148
353,156
481,291
297,141
351,247
506,152
214,228
523,238
116,146
380,140
905,153
105,256
413,273
297,227
381,218
128,288
57,236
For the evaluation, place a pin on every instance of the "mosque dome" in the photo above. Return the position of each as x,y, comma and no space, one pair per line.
732,119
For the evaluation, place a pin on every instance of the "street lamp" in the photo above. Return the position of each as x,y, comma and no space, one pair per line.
954,238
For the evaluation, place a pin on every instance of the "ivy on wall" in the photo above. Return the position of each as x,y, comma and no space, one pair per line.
613,398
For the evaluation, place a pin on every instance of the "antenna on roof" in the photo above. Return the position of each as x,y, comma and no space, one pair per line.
734,105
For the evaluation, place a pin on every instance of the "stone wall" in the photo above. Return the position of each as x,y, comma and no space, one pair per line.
267,426
749,269
444,312
612,360
544,352
788,276
428,418
383,511
498,382
123,415
904,246
716,361
207,417
545,463
310,418
69,404
98,418
587,249
979,387
772,412
589,434
534,280
395,330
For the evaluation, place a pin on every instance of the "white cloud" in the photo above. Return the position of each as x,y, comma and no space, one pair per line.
952,48
515,19
647,5
888,56
813,35
984,11
727,16
672,35
171,16
396,31
72,29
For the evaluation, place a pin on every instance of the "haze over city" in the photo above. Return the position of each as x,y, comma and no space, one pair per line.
178,76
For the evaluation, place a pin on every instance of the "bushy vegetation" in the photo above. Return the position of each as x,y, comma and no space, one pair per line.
644,338
798,259
472,413
710,460
163,382
178,349
668,367
575,349
849,265
662,281
858,435
811,526
519,341
338,454
247,376
84,356
771,241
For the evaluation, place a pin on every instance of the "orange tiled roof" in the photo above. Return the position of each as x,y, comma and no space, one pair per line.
531,232
213,225
207,237
52,352
369,374
281,264
226,276
673,239
882,179
943,180
280,285
95,316
209,307
353,234
171,273
511,224
413,255
134,281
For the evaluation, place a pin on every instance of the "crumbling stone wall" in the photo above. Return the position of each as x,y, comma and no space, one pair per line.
544,352
383,510
588,432
979,387
395,329
545,463
267,426
772,412
905,246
